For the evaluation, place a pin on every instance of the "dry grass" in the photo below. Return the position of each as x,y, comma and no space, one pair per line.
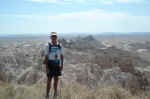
71,91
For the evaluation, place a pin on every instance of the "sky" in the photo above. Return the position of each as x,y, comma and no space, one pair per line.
71,16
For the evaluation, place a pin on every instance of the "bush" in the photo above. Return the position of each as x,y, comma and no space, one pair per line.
68,91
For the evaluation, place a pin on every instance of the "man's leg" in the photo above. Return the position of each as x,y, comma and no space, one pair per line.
49,79
56,79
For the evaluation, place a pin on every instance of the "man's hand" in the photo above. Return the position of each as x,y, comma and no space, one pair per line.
62,62
45,60
61,67
47,68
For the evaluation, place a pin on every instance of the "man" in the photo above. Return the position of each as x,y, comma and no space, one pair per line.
54,63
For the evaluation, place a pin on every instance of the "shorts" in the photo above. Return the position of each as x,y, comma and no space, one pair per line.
53,69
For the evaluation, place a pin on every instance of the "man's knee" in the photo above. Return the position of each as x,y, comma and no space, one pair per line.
49,79
56,80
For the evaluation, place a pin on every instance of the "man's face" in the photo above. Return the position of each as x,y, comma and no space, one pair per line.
53,37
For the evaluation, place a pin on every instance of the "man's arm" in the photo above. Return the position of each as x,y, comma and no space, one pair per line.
46,63
46,58
62,62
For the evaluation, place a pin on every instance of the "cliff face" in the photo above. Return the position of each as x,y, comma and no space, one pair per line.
87,61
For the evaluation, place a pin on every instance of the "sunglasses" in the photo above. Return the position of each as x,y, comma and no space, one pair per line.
54,36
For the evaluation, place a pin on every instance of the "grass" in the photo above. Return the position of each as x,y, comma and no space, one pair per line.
69,91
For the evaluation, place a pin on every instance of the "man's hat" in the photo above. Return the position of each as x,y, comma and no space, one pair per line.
53,34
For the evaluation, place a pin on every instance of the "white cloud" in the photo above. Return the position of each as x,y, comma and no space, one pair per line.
50,1
130,1
106,2
60,1
98,20
86,15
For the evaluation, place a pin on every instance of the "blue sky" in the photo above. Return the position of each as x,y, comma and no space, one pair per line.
43,16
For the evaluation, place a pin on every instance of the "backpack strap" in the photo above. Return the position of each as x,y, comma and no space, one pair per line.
49,46
59,46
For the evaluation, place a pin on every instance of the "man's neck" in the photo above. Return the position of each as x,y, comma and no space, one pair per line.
54,43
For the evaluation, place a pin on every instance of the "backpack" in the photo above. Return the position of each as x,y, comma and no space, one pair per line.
50,45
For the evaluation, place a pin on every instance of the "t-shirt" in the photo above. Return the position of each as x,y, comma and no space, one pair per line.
54,54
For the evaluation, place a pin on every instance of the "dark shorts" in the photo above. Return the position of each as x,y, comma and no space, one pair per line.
53,69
